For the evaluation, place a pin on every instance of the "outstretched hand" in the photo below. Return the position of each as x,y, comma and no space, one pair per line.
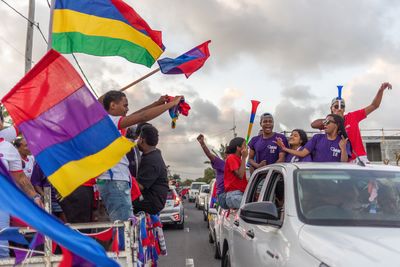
177,100
385,85
245,152
280,143
163,99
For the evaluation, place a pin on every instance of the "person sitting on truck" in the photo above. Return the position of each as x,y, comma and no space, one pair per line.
235,181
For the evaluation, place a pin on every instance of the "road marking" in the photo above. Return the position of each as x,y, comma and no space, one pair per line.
186,216
187,229
189,262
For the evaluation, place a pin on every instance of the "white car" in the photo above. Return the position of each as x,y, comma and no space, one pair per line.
201,197
173,211
316,214
194,190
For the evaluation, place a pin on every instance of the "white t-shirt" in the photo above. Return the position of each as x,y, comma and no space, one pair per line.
9,134
10,157
27,165
119,172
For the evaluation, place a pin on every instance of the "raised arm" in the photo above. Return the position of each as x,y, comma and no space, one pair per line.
318,124
203,145
239,173
148,114
378,98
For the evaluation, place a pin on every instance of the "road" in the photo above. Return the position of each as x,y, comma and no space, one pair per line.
189,244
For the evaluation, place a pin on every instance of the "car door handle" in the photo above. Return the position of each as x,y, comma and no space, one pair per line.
272,255
250,233
236,222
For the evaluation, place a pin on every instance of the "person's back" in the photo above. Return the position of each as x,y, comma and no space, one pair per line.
152,174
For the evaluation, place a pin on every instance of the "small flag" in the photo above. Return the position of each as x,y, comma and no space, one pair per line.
67,130
186,63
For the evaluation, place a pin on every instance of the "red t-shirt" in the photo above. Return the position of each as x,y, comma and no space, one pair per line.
231,182
351,121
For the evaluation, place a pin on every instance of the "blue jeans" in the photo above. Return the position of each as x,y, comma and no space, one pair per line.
222,201
233,199
4,222
116,196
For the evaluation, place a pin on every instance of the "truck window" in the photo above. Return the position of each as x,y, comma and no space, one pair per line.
256,187
275,192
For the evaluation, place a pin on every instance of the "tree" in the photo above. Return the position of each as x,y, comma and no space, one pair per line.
187,182
209,174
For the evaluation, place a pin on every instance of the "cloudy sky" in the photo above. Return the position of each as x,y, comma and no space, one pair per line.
290,55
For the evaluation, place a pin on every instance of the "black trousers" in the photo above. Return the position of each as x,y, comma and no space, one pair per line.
78,206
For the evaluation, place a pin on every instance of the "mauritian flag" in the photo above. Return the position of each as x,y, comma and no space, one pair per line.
104,28
186,63
67,130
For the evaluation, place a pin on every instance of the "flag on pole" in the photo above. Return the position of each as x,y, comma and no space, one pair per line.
186,63
67,130
16,203
104,28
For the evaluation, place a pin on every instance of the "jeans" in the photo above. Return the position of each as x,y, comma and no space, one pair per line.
116,196
222,201
233,199
4,222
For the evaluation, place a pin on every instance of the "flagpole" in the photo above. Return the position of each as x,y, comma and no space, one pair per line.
139,80
50,39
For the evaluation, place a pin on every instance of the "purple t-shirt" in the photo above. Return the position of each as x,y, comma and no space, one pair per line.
266,149
218,165
291,158
325,150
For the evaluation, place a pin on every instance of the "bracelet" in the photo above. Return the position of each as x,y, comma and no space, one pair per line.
36,197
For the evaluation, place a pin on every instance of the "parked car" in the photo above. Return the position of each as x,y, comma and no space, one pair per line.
208,200
201,197
213,216
194,190
173,212
315,214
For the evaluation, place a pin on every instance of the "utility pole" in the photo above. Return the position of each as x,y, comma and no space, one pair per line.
234,126
29,36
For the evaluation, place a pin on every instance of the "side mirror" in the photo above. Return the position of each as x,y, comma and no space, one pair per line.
260,213
207,191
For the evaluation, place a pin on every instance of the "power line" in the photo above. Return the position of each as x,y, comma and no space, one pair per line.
84,75
13,47
36,24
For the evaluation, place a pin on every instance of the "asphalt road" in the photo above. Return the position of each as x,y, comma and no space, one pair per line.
190,244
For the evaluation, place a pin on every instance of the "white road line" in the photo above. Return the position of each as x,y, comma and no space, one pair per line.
189,262
187,229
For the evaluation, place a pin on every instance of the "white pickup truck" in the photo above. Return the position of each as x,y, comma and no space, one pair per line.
315,214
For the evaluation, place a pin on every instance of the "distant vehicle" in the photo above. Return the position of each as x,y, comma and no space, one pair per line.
208,200
213,216
173,212
194,190
201,197
315,214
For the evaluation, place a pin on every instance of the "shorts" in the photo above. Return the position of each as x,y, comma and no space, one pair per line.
233,199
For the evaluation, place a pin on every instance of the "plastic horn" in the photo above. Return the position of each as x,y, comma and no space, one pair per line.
254,106
339,88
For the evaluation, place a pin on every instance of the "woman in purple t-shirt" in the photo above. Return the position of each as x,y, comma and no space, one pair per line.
332,146
298,138
263,147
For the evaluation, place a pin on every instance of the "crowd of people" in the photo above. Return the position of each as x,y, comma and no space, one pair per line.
138,182
340,141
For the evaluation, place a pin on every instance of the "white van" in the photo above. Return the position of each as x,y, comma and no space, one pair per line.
194,190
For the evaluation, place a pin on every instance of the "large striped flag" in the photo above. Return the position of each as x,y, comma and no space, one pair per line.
70,134
16,203
104,28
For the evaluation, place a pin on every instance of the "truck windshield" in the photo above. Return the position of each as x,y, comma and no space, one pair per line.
203,188
195,186
348,197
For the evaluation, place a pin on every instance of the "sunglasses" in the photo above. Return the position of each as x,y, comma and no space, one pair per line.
327,122
341,106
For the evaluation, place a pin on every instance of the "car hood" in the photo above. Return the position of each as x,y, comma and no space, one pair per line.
352,246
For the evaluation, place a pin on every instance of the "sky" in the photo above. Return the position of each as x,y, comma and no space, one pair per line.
290,55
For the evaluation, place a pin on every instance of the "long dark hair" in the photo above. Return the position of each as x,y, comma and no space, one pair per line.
303,136
233,144
340,123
